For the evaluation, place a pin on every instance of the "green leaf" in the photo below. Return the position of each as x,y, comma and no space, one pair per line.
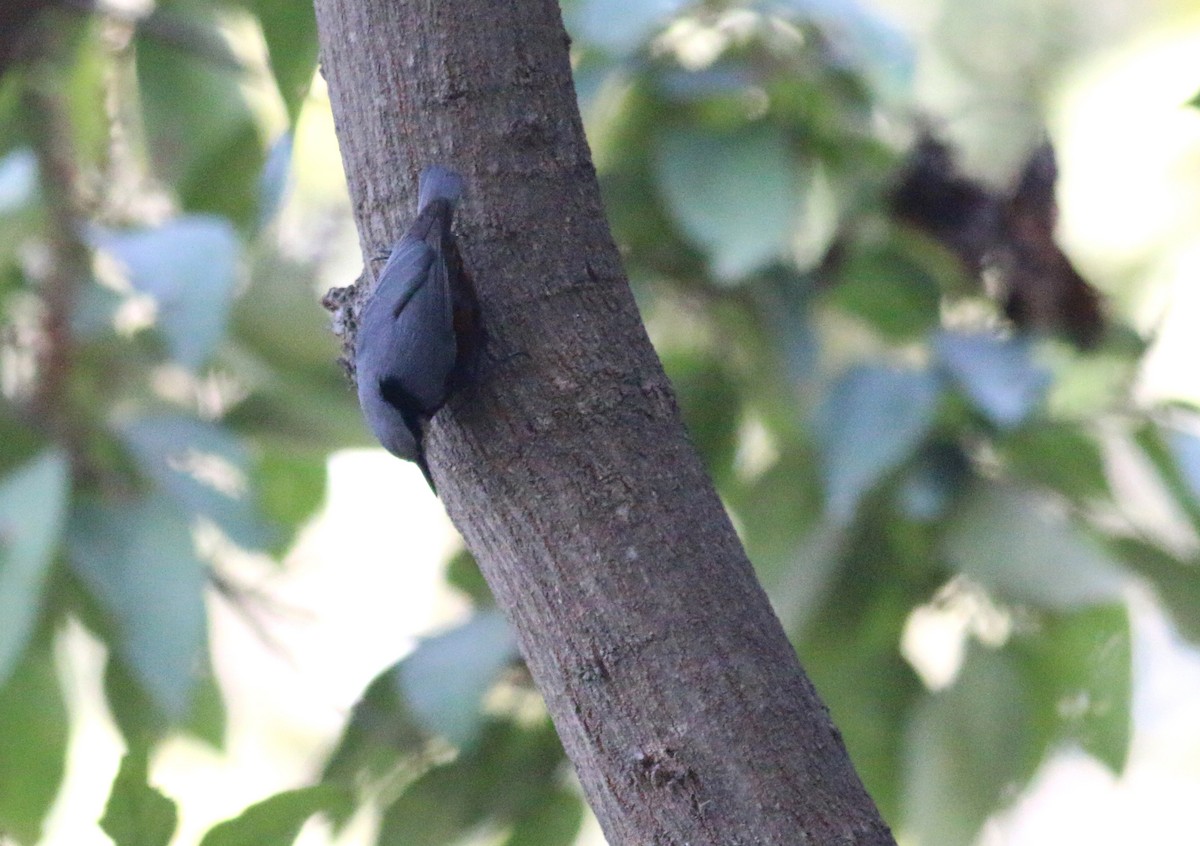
438,809
189,267
136,813
382,734
499,780
711,406
142,722
1176,582
889,289
933,483
437,689
140,563
231,185
280,408
552,821
873,419
1024,549
95,313
850,653
206,718
276,821
33,744
1172,457
33,501
1087,385
285,353
192,35
463,573
1185,446
795,555
200,128
273,182
997,374
290,30
445,678
291,486
1080,672
1183,478
1059,456
280,322
735,196
203,468
969,747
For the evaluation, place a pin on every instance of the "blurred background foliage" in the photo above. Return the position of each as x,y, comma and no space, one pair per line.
959,459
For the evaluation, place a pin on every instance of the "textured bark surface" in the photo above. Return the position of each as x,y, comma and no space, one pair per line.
566,467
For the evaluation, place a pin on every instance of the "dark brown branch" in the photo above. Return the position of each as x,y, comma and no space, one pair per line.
566,467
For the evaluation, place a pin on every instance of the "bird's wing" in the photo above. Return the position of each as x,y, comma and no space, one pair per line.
423,342
406,271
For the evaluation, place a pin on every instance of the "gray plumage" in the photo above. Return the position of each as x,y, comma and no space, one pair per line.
405,348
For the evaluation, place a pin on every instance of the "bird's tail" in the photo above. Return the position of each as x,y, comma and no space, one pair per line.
424,465
438,182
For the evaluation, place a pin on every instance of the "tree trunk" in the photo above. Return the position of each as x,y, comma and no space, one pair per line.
565,466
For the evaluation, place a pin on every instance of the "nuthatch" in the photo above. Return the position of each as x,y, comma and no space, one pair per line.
407,350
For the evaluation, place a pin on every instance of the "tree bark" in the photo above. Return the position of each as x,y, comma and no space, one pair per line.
565,465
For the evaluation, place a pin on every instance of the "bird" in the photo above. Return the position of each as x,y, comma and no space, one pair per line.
408,353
